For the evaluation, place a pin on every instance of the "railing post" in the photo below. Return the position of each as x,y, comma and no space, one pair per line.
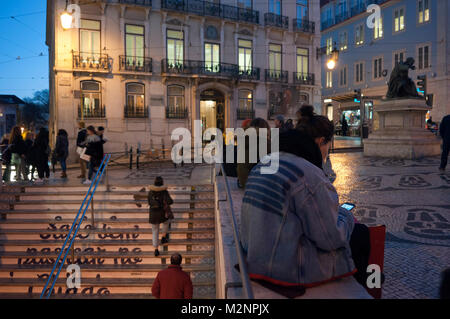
138,154
73,253
163,148
92,213
131,157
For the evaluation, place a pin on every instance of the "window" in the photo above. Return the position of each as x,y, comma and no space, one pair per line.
245,100
302,61
330,112
359,35
91,99
247,4
424,57
175,101
275,60
245,55
399,56
399,20
275,6
359,72
424,11
212,59
343,41
378,29
90,41
377,68
329,45
175,47
329,79
302,10
135,99
134,44
343,76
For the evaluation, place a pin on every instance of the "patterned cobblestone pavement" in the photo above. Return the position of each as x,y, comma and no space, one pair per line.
413,200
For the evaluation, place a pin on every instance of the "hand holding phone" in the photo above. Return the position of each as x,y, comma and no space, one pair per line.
348,206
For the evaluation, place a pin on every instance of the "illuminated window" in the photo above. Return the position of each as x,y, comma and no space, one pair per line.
399,20
359,34
378,29
329,79
424,11
343,41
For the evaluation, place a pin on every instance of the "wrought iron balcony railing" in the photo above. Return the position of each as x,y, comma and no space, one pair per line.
303,25
91,61
276,20
135,64
206,8
176,112
135,112
146,3
249,74
91,112
243,114
200,68
276,76
304,78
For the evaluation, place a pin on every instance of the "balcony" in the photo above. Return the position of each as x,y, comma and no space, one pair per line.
91,112
135,64
91,61
276,20
206,8
176,112
304,78
190,67
276,76
251,74
303,25
145,3
243,114
136,112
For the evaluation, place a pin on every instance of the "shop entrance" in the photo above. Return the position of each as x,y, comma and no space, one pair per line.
212,110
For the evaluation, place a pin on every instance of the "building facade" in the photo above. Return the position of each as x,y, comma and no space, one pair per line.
9,112
142,68
367,55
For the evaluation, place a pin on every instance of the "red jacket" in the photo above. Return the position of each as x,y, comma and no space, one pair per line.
172,283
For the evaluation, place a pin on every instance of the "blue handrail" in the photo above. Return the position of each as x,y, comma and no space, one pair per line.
77,221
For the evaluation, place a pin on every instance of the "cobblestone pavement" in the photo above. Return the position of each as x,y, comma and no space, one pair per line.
413,200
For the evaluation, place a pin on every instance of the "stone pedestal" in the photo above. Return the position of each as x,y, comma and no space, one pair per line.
402,132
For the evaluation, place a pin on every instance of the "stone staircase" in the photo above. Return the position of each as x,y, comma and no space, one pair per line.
114,244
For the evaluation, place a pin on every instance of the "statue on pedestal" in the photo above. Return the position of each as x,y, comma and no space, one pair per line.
400,84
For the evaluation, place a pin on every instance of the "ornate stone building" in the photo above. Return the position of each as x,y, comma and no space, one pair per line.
141,68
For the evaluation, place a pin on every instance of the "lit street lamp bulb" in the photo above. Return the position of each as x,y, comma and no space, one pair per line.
66,20
331,64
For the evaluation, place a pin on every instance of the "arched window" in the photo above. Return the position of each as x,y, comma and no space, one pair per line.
175,102
245,109
135,106
91,100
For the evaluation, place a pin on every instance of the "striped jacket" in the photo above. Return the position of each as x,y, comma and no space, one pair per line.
292,228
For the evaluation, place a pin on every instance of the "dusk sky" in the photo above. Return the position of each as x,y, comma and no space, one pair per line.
22,40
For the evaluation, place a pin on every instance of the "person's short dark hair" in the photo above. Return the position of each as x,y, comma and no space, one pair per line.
100,128
159,181
302,145
315,125
91,128
62,132
176,259
444,292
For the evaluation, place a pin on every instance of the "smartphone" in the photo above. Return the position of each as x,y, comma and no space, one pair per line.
348,206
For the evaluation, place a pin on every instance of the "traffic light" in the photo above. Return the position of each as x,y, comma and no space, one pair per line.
358,95
422,84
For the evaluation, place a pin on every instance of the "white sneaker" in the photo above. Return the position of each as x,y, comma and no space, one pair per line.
87,182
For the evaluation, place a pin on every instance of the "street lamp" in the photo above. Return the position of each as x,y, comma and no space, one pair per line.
66,20
331,64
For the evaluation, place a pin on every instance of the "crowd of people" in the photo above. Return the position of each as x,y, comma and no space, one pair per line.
29,153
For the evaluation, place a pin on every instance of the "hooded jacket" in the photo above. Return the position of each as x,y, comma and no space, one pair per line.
157,196
292,228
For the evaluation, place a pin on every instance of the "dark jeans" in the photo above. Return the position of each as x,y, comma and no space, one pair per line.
445,151
42,169
63,164
360,246
7,173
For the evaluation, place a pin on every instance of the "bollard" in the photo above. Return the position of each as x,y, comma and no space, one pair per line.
131,157
138,154
163,149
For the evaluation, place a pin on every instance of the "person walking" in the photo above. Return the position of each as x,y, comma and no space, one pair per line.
62,150
173,282
81,142
6,158
159,202
40,153
444,132
94,148
344,126
18,150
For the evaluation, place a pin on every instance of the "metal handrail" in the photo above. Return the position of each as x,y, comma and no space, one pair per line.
77,221
248,291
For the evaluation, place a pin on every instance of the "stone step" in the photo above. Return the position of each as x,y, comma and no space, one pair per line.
100,188
87,232
94,285
99,222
